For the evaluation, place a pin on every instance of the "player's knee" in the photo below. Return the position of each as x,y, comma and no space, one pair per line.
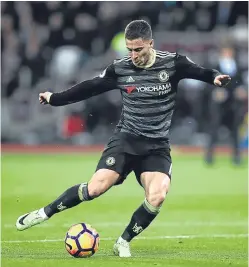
97,188
101,181
156,199
95,192
156,191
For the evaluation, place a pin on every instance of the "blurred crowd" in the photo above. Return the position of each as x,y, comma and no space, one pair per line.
52,45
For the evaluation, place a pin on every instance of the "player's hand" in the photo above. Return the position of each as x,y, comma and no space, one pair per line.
44,98
222,80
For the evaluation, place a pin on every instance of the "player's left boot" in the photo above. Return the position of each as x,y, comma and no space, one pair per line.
30,219
122,248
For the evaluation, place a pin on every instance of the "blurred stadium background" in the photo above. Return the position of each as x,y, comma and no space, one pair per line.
52,45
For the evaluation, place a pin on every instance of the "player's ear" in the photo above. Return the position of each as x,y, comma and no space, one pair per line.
151,43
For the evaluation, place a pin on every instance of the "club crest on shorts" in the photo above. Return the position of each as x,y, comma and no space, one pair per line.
110,161
163,76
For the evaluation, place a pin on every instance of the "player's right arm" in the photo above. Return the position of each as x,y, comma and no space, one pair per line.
106,81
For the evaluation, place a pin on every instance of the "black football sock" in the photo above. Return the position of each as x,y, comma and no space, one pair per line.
140,220
70,198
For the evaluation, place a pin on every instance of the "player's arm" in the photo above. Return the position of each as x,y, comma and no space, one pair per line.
188,69
106,81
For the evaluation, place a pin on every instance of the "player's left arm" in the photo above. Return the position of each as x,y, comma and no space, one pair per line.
186,68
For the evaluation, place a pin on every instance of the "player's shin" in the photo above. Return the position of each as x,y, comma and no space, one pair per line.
140,220
70,198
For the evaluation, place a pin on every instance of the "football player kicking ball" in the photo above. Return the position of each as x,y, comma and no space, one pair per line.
147,80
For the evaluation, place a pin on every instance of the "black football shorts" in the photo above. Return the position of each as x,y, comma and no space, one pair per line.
116,158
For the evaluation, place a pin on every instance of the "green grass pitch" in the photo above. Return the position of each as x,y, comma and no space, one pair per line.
203,221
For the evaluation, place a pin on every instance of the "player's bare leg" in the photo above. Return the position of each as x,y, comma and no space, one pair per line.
156,186
100,182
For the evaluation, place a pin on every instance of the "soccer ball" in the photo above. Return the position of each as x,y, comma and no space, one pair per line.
82,240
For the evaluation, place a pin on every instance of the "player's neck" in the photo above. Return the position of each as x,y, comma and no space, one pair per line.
151,60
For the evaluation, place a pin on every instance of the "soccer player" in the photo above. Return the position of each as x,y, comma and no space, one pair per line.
147,80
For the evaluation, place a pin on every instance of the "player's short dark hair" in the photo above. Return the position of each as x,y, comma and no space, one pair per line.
138,29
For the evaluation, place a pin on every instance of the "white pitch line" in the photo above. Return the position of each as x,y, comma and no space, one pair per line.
139,238
157,224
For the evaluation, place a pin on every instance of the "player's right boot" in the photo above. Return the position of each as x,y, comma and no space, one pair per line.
30,219
122,248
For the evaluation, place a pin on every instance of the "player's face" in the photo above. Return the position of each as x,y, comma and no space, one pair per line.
139,50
